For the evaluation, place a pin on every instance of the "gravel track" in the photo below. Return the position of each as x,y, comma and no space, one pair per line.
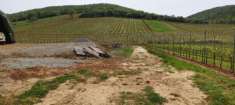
24,63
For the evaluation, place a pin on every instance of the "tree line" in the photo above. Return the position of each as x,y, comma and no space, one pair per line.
92,10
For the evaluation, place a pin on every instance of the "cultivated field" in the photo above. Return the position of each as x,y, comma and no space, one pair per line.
64,29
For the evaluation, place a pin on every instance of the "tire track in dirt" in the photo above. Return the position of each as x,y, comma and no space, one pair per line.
176,87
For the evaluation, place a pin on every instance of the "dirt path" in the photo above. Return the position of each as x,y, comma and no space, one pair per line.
176,87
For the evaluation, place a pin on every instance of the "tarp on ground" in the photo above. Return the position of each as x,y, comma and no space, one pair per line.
6,28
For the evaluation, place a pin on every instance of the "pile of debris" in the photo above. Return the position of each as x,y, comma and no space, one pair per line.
86,48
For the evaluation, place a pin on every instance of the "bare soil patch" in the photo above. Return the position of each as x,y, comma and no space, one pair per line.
176,87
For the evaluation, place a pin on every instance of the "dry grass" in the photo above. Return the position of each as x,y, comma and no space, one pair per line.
36,72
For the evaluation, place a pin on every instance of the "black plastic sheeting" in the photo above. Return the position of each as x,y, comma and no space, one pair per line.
6,28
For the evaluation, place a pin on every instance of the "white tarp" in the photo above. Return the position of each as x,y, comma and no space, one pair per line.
2,37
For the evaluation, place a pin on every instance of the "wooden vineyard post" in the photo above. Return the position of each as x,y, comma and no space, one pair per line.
182,47
221,62
233,57
201,53
181,42
221,56
168,45
193,54
214,59
207,55
214,49
184,51
190,44
231,63
205,49
173,44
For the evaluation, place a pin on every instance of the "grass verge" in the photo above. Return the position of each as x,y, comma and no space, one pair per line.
40,89
220,89
147,97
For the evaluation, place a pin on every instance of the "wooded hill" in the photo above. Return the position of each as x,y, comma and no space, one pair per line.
224,14
91,10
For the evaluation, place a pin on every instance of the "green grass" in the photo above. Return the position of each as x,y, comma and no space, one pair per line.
123,52
40,90
153,98
158,26
223,32
147,97
219,88
86,72
103,76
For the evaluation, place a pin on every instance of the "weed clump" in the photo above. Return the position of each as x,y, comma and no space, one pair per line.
103,76
146,97
153,97
85,72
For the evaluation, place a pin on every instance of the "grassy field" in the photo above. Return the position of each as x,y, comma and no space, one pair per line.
158,26
223,32
110,29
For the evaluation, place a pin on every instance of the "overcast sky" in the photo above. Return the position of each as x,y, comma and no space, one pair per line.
164,7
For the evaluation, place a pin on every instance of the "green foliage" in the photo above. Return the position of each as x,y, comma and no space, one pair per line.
219,88
86,72
224,14
92,10
153,97
158,26
148,97
103,76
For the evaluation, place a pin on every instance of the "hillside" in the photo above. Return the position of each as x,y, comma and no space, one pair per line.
91,10
225,14
63,29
